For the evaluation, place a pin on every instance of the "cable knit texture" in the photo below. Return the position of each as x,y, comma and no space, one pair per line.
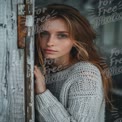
73,95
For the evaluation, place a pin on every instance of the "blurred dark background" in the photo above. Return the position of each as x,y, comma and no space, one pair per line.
106,18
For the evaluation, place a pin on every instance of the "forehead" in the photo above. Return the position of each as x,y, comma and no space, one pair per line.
57,24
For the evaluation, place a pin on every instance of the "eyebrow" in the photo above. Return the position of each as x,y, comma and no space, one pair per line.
57,31
62,32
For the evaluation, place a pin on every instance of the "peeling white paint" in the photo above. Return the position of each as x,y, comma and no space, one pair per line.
12,99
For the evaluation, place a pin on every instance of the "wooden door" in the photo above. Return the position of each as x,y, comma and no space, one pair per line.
16,68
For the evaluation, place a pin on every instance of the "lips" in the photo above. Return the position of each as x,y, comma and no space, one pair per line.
50,51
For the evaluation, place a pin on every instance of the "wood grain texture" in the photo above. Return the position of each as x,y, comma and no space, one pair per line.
29,67
12,92
3,56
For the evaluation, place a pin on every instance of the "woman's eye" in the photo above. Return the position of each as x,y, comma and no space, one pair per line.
44,34
60,36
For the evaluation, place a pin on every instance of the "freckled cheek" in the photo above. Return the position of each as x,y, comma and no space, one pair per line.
42,44
66,47
68,44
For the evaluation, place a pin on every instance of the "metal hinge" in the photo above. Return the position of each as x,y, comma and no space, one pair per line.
24,22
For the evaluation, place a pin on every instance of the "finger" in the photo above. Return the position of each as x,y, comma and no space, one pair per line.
35,68
37,71
35,74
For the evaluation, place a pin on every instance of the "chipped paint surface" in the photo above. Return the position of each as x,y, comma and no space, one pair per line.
12,89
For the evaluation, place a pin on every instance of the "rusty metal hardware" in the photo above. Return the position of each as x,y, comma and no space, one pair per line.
24,20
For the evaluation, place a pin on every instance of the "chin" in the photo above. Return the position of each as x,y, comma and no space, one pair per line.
50,57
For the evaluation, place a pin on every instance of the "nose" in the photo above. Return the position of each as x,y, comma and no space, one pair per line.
51,41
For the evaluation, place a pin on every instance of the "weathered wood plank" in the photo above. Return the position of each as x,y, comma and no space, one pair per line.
3,84
29,65
12,85
15,76
11,66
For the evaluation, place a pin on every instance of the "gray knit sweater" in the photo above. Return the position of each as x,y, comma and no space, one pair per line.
73,95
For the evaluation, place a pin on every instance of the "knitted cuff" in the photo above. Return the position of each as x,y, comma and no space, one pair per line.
45,100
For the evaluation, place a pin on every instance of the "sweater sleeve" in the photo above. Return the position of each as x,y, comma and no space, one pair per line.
84,100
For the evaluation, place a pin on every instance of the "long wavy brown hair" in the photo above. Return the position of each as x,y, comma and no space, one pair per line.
80,30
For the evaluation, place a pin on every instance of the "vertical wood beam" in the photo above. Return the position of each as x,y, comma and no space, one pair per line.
29,67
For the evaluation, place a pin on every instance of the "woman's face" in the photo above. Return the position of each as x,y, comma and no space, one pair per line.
55,40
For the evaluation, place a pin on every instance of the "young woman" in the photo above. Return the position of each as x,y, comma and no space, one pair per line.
74,86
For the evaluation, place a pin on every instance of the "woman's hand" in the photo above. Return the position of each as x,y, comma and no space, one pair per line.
40,85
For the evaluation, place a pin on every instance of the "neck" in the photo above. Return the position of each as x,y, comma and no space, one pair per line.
63,61
56,65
